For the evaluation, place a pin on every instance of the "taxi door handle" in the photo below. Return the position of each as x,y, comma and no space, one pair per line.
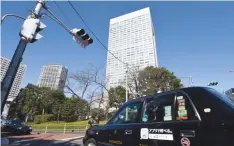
128,132
187,133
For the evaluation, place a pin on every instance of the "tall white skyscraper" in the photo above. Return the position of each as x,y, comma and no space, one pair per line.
132,40
53,76
16,83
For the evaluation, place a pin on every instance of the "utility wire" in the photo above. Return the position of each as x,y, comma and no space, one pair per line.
60,9
95,35
58,21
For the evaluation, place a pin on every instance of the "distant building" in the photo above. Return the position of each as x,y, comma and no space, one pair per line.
132,40
16,83
53,76
230,93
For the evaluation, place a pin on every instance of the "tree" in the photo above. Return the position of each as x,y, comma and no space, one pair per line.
45,99
133,83
81,107
31,104
33,100
56,108
117,96
73,109
98,112
67,109
15,110
101,81
58,98
85,79
153,79
91,99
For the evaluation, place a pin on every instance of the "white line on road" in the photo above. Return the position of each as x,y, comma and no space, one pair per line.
72,138
25,140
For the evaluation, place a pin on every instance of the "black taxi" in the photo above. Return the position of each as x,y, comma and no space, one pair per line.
194,116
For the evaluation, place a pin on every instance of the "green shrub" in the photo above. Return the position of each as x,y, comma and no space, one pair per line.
43,118
70,118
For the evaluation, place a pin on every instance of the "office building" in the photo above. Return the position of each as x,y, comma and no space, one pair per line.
16,83
53,76
230,93
132,40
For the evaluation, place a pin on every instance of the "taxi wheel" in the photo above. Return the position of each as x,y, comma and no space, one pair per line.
91,142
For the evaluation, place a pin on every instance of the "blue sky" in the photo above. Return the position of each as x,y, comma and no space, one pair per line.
193,38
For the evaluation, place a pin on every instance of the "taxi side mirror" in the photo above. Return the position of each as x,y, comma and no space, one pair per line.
121,117
90,122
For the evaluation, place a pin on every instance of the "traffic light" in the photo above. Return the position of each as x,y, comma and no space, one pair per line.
81,37
30,30
213,84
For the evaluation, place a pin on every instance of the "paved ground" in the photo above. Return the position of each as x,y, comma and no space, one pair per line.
47,140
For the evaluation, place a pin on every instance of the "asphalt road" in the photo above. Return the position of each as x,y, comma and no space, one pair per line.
47,140
41,142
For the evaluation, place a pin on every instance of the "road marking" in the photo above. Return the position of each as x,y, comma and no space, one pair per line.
72,138
25,140
33,139
44,138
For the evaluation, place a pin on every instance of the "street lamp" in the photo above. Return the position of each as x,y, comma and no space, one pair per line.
14,15
190,80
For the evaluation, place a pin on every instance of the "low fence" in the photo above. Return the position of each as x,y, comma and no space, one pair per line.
59,128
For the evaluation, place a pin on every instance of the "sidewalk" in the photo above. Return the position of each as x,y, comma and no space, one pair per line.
4,141
48,136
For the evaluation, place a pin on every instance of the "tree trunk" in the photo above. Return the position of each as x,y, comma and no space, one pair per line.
78,116
58,113
99,106
90,110
43,111
26,118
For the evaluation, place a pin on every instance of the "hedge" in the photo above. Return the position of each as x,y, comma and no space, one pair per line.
43,118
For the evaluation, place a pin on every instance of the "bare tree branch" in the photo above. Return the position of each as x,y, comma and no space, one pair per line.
84,79
71,91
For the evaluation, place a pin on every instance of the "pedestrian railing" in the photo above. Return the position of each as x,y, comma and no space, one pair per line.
59,128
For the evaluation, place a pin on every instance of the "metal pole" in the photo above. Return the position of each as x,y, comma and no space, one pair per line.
11,72
64,129
46,129
126,85
126,118
3,17
15,62
191,81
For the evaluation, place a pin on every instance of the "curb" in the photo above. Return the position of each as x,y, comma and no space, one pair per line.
72,138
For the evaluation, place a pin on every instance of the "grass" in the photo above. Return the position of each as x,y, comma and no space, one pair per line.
78,125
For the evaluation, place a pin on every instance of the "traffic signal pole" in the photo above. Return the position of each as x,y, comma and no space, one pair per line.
11,72
15,61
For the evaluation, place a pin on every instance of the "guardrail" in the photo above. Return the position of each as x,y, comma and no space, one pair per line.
59,128
66,128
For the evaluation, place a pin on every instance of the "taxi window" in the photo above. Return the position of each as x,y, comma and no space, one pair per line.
184,108
160,109
128,114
